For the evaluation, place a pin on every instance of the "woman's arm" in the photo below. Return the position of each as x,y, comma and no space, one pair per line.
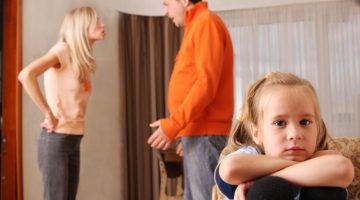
28,78
241,168
326,168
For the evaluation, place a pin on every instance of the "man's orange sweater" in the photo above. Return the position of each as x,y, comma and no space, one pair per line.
200,98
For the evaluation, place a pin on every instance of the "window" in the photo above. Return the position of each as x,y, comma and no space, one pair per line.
319,42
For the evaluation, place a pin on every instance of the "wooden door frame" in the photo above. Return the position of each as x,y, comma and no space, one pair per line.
11,163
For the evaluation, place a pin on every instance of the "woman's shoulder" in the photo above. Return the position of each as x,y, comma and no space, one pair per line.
60,47
61,50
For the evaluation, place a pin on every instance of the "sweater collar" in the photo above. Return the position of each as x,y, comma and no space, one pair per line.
192,12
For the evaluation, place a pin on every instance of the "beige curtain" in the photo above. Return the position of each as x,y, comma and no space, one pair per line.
148,49
317,41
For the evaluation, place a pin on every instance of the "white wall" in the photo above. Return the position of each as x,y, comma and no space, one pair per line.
101,157
154,7
140,7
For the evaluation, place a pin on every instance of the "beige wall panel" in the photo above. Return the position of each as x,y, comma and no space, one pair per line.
101,150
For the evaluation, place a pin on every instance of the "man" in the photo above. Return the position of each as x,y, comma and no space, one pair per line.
200,96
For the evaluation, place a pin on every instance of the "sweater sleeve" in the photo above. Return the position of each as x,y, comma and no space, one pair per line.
225,188
209,48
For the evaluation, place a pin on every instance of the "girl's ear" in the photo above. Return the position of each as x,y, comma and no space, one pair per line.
256,135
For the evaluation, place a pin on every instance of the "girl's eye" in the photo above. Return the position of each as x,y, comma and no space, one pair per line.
280,123
305,122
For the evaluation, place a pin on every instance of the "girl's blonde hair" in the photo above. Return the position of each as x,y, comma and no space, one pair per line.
251,111
74,32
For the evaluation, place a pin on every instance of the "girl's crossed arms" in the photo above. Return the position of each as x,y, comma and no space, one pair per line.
281,143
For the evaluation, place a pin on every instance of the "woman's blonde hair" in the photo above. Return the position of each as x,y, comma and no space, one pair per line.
251,111
74,32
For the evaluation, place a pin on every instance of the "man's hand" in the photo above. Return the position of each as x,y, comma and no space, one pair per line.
158,139
179,150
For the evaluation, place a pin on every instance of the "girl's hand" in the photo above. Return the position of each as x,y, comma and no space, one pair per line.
241,190
50,122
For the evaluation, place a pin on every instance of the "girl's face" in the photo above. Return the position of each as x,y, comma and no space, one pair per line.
97,32
288,128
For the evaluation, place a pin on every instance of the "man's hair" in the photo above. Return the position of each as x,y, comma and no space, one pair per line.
195,1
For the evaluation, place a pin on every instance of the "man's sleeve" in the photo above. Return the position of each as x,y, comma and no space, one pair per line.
209,48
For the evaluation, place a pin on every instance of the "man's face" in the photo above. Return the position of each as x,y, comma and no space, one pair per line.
175,10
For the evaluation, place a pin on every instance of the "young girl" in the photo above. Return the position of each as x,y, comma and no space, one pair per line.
67,68
281,146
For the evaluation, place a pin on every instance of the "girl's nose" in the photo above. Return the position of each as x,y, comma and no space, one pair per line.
294,133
